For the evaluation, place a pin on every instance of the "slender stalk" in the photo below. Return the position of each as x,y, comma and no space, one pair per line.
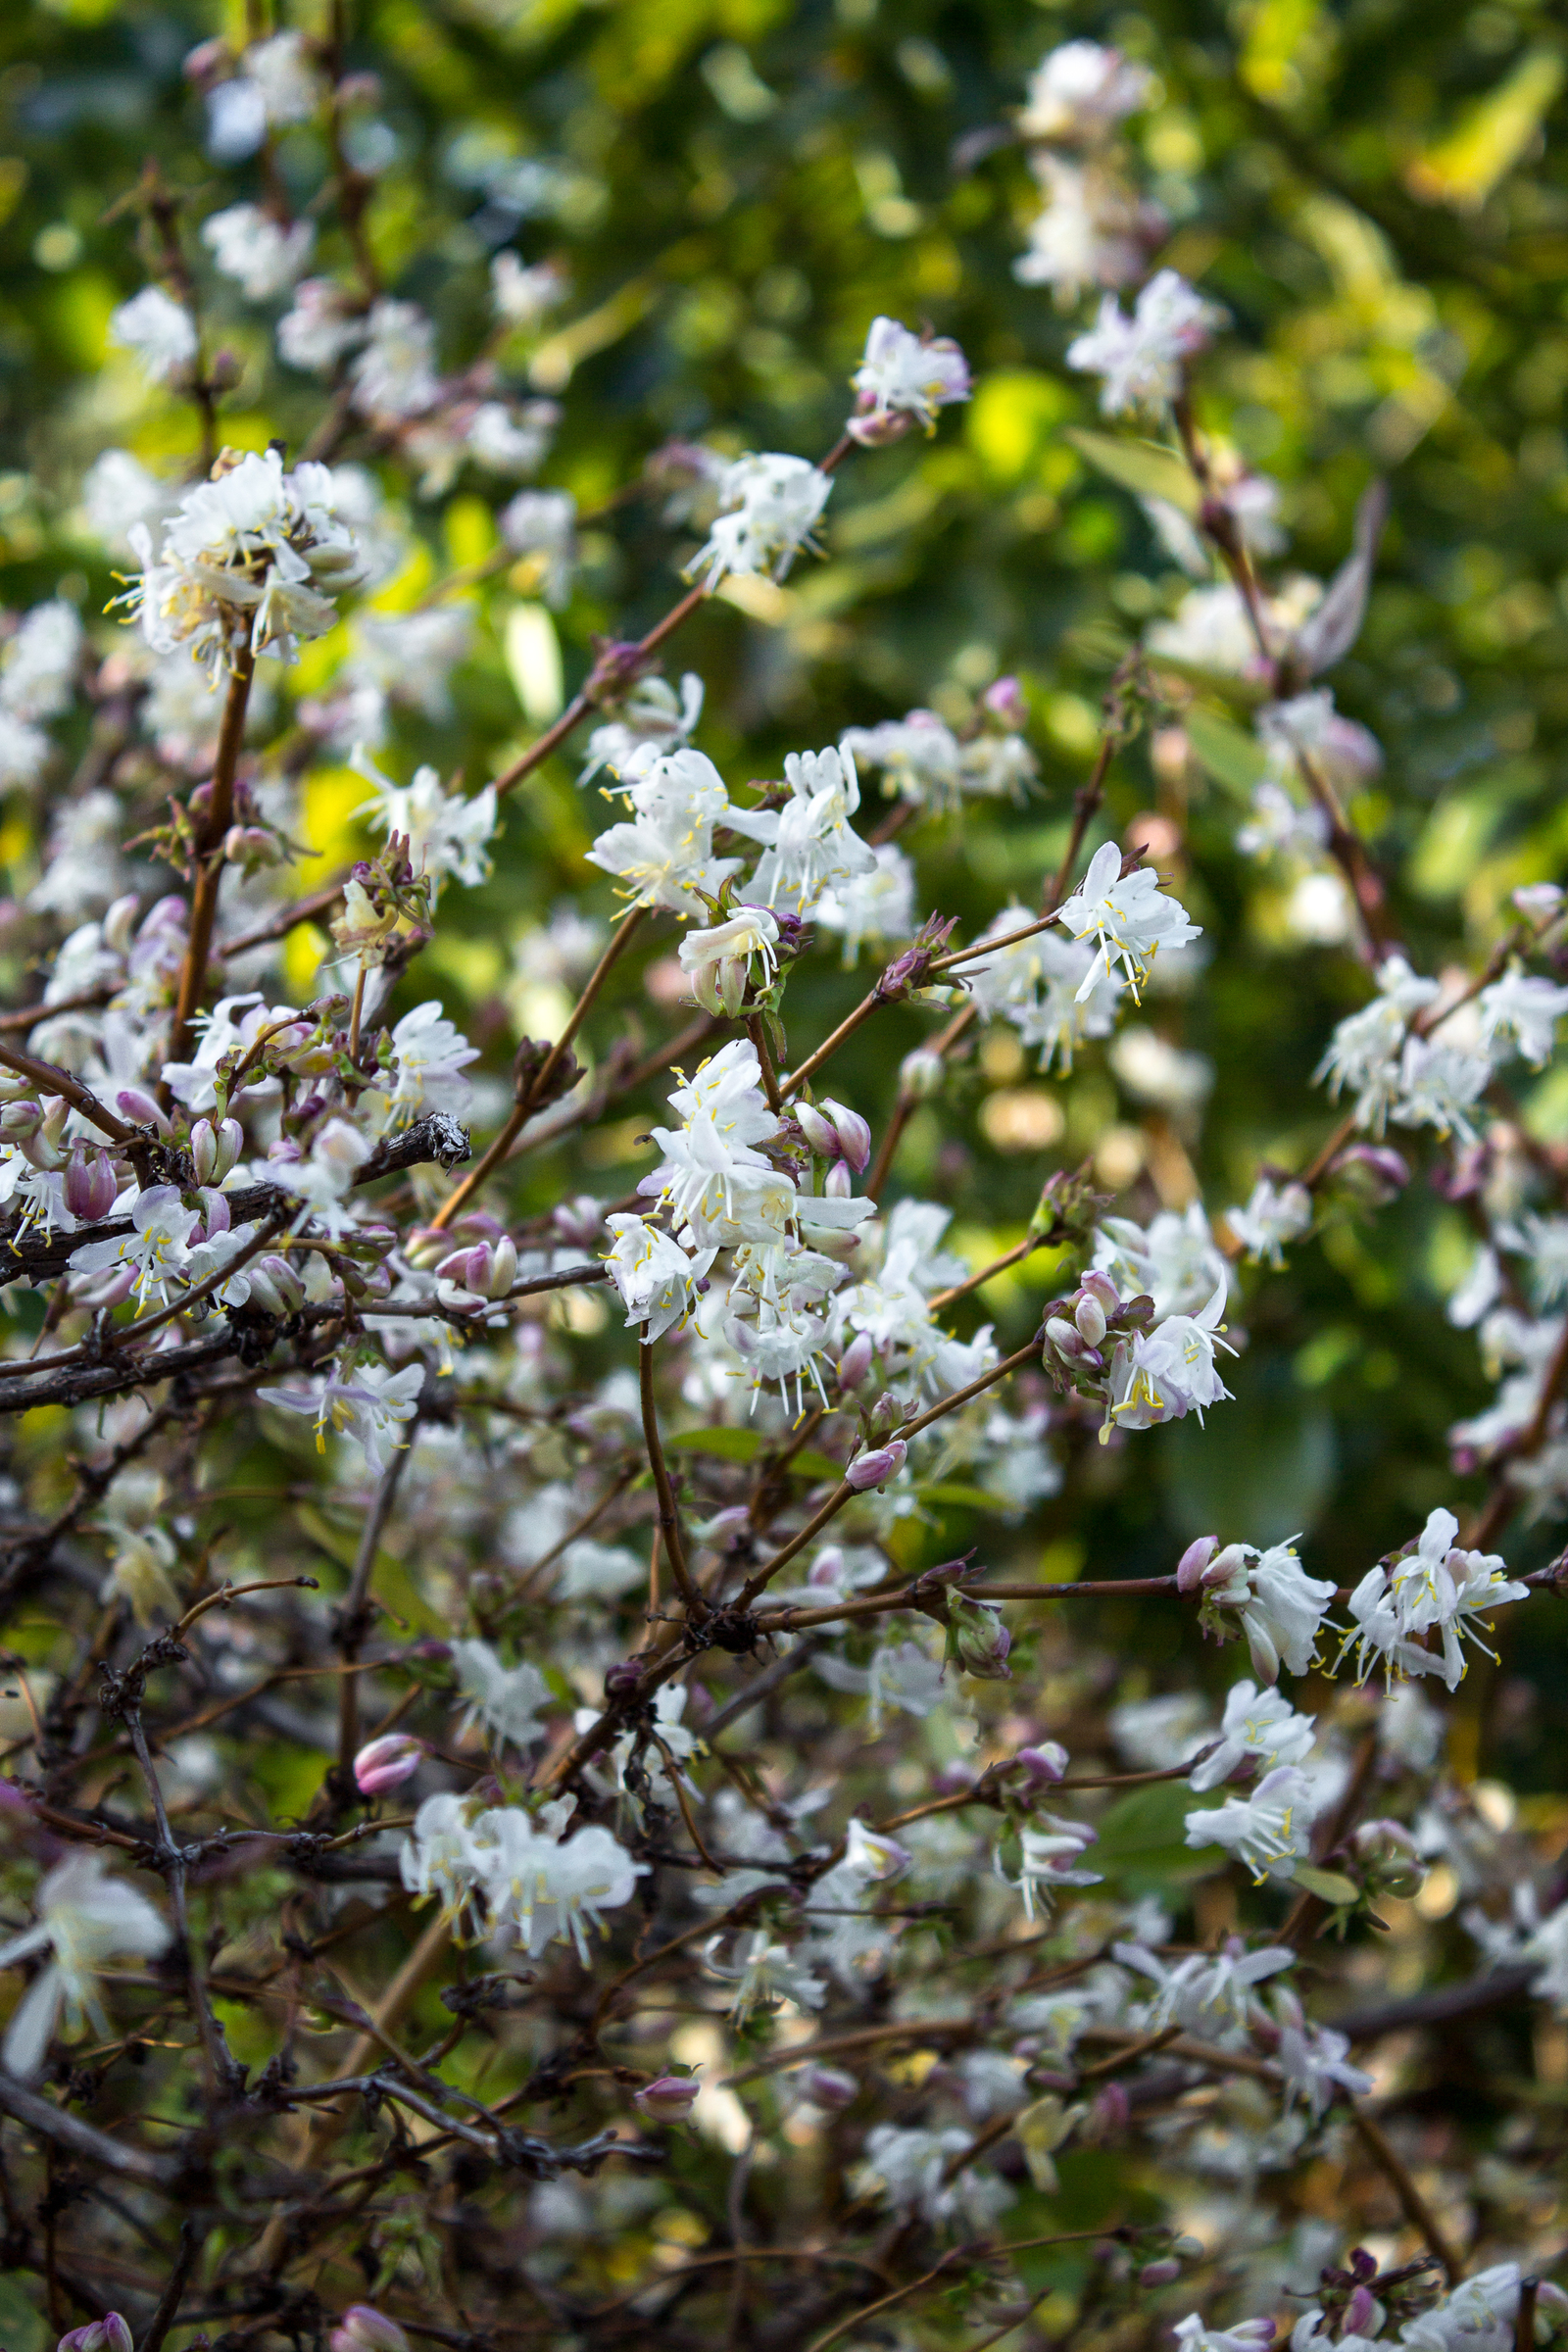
1412,2204
354,1613
208,858
669,1515
51,1080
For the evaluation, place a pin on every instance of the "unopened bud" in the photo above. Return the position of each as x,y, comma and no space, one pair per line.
1162,2273
387,1762
1100,1286
108,2334
20,1119
580,1221
1045,1763
90,1188
1112,2109
136,1103
1194,1560
364,2329
920,1074
874,1469
1090,1317
829,2086
856,1361
1360,2314
818,1129
854,1134
1391,1858
978,1640
1066,1339
215,1150
1003,699
276,1284
838,1184
668,2099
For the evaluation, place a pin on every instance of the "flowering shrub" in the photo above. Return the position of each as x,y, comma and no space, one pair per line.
628,1542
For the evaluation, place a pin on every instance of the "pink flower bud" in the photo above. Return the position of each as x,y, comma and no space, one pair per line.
427,1246
136,1103
1090,1317
818,1129
854,1134
828,2087
1100,1286
275,1282
364,2329
1044,1762
387,1762
874,1469
90,1188
1162,2273
838,1184
1360,2312
1112,2108
1194,1560
1004,699
580,1221
108,2334
216,1217
856,1361
920,1074
668,2099
1065,1338
19,1120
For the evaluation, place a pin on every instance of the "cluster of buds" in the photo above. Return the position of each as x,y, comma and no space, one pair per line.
90,1185
1390,1859
907,973
1077,1327
108,2334
384,902
470,1278
978,1640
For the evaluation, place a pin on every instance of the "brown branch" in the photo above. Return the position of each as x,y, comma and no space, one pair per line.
206,856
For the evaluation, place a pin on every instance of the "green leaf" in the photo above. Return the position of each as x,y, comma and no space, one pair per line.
22,2329
1327,1885
1232,757
1144,468
967,1499
1142,1841
746,1445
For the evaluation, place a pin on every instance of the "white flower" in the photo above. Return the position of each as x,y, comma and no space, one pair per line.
256,556
1273,1215
666,853
447,835
1269,1831
911,2168
85,1919
38,667
281,70
394,375
143,1549
159,331
875,904
1309,726
654,1276
505,1701
1131,919
429,1057
764,1971
1547,1950
1079,92
1166,1372
324,1180
1154,1733
1247,2335
1439,1085
1199,1991
1281,1607
439,1856
1143,357
247,244
368,1405
1210,631
1521,1011
718,960
232,1026
156,1249
1547,1240
905,374
1048,1850
1092,231
543,524
651,714
768,509
521,296
118,491
1257,1723
511,440
547,1887
1277,827
809,842
1435,1588
1478,2317
1314,2059
1364,1052
320,326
